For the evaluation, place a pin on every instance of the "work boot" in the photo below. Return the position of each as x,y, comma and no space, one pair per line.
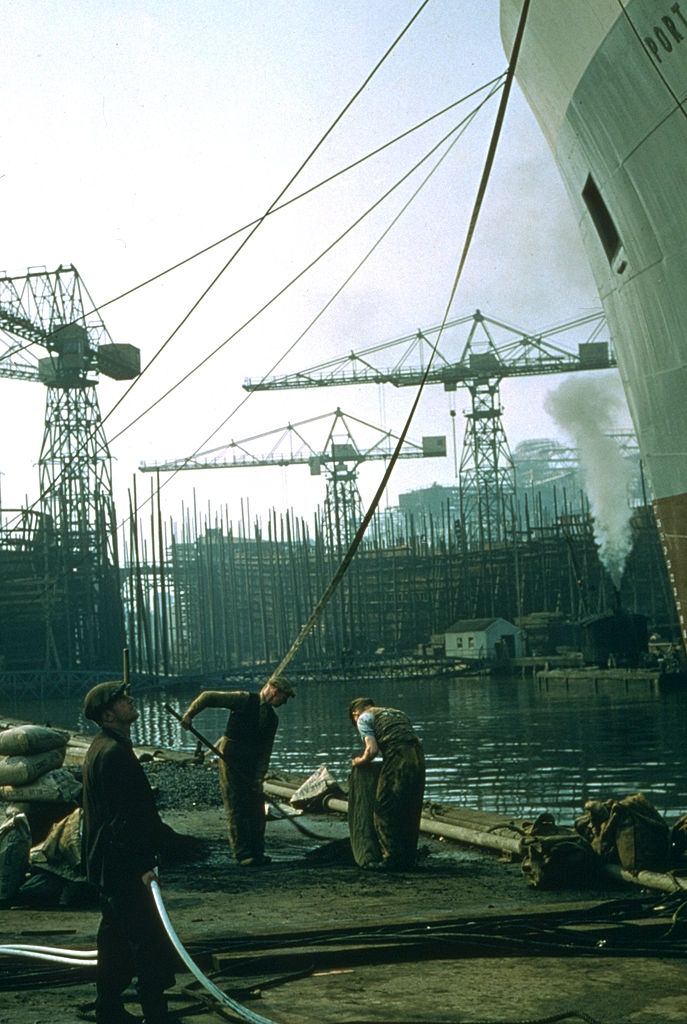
109,1009
374,865
116,1016
155,1009
255,862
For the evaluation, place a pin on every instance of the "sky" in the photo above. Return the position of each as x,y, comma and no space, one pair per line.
135,134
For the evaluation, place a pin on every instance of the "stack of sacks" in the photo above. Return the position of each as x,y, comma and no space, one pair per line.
26,753
33,784
36,790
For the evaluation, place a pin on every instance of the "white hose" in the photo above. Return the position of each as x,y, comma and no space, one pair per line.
84,954
68,961
214,991
89,958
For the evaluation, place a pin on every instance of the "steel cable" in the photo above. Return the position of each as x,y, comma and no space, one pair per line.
253,228
457,128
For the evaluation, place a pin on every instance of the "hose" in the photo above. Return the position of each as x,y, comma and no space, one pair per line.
70,960
85,954
89,958
214,991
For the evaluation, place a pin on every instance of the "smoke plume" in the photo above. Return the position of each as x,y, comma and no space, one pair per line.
587,409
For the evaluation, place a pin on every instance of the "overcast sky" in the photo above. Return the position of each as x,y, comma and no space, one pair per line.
136,133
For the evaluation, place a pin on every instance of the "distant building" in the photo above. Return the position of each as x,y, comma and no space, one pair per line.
613,639
436,500
483,639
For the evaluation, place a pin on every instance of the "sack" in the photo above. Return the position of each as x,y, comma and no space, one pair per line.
60,851
57,786
555,857
20,769
362,794
15,843
314,789
40,815
31,739
629,831
678,838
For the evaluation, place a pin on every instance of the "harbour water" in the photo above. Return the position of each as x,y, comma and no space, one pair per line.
508,745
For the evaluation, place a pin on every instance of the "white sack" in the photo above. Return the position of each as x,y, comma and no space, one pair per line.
31,739
57,786
22,769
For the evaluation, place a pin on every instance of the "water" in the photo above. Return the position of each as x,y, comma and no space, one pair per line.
506,745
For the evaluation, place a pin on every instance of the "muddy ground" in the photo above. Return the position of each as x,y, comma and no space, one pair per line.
444,949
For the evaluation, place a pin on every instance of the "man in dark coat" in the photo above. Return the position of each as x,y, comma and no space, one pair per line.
121,834
385,806
246,748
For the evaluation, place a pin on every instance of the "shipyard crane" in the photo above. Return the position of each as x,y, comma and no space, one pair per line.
489,350
337,453
52,310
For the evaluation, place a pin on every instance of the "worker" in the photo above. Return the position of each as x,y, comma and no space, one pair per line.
121,835
385,825
245,748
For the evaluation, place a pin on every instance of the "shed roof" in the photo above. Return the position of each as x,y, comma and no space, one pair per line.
474,625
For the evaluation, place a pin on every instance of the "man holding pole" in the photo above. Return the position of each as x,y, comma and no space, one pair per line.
245,751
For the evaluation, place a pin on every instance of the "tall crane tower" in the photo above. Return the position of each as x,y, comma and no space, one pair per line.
52,309
334,451
488,350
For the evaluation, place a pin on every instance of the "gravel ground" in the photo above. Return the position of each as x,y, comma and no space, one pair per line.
184,786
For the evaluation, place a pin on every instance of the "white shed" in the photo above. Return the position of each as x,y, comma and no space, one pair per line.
483,639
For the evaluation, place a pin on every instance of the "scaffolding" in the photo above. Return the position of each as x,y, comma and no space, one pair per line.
219,597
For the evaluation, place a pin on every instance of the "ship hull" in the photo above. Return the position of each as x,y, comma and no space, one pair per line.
608,85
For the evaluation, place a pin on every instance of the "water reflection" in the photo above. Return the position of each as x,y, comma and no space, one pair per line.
500,745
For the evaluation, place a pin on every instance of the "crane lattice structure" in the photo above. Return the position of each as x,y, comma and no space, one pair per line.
489,350
338,454
50,309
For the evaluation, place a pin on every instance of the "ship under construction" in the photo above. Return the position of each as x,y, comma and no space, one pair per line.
210,595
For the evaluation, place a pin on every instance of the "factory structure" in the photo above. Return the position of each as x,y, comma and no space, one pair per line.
511,540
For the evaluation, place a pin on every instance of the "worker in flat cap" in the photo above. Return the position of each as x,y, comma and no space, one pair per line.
246,748
385,803
121,834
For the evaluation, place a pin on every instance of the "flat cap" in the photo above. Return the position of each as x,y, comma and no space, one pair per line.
282,684
101,696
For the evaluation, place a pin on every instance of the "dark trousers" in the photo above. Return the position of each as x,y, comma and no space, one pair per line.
244,804
385,806
132,943
398,803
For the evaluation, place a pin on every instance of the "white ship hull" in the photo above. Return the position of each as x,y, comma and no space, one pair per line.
608,86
